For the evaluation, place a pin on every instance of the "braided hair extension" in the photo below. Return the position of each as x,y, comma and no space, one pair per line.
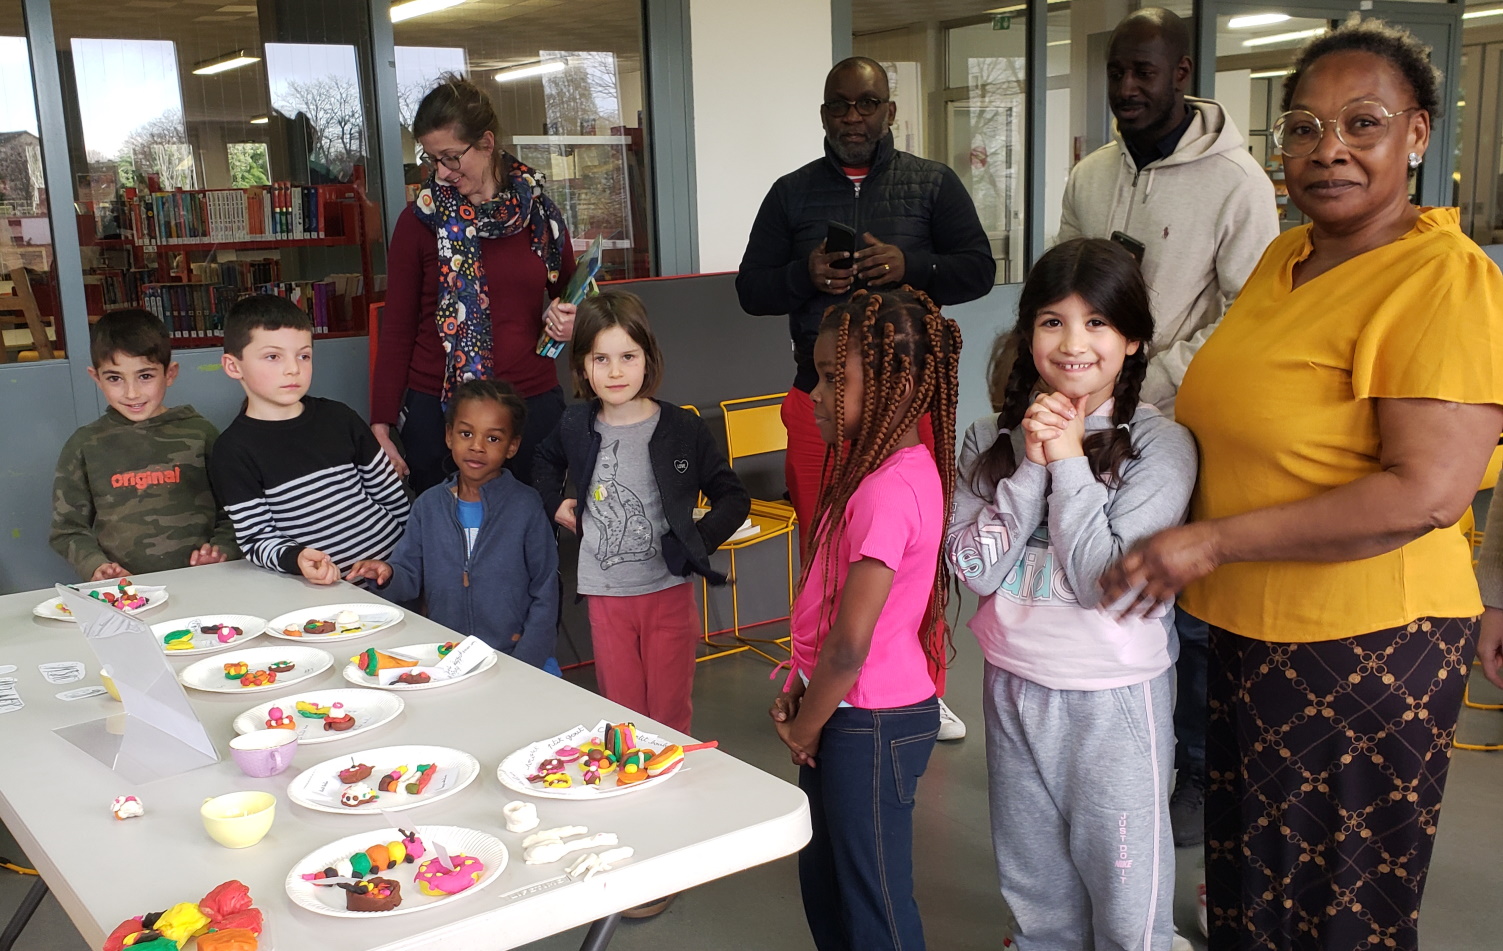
902,337
1107,277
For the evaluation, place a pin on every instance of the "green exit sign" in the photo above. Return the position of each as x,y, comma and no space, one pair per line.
1002,21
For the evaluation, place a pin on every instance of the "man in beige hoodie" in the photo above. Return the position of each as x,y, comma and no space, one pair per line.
1178,187
1178,182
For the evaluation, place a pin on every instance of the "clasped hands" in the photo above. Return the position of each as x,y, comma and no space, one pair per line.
802,744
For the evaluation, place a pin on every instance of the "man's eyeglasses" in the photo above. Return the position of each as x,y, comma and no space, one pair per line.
450,162
1359,126
839,108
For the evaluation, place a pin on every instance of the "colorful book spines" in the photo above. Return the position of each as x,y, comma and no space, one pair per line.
265,212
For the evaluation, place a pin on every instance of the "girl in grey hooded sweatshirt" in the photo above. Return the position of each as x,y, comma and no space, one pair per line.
1051,491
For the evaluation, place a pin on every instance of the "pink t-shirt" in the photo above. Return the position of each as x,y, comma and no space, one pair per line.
897,517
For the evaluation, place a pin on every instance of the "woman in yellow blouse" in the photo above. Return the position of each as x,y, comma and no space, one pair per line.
1345,409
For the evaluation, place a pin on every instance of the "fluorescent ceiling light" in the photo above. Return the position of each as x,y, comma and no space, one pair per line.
1283,37
228,61
1269,74
1059,43
417,8
1256,19
260,120
1474,14
532,69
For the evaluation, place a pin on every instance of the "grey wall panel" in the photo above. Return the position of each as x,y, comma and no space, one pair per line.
38,420
30,439
339,373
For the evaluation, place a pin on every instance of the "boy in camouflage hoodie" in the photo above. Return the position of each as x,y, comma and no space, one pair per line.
131,494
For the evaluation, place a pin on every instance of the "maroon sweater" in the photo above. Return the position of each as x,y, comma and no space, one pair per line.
410,354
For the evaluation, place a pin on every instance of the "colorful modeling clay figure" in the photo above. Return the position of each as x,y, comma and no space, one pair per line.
234,670
425,774
445,648
311,710
434,878
178,640
276,719
223,633
378,894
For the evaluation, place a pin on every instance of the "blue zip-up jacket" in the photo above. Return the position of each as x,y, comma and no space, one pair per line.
505,592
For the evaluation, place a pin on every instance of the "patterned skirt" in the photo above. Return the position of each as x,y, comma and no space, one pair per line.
1326,765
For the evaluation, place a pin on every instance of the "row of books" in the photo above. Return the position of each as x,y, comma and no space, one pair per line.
263,213
199,310
122,287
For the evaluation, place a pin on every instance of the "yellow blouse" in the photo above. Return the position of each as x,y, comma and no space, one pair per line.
1281,400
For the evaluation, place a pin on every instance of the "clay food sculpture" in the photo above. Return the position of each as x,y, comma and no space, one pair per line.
125,596
435,879
276,719
236,669
356,773
258,678
316,626
127,807
374,860
425,774
372,661
445,648
377,894
178,640
338,720
311,710
223,633
411,678
281,667
358,794
223,921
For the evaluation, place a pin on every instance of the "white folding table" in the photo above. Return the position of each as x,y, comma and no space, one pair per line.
718,817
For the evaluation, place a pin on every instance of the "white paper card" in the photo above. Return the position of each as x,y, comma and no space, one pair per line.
82,693
62,672
465,657
7,668
10,700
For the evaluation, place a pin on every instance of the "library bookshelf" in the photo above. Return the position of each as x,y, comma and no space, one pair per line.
187,255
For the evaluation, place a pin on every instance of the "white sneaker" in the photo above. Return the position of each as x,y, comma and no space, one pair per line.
951,727
1181,943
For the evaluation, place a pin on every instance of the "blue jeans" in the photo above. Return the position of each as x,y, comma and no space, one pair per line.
856,873
1190,711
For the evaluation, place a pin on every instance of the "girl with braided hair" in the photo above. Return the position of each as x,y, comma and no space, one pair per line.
859,711
1053,489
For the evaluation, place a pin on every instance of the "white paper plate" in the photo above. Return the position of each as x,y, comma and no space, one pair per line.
209,643
515,769
376,617
330,900
426,655
53,609
319,787
208,674
370,708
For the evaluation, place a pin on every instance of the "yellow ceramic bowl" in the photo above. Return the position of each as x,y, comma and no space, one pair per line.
238,820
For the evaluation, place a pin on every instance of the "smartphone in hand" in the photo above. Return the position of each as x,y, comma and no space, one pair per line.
840,239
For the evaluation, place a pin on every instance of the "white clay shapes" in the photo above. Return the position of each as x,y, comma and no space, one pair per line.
126,807
520,816
588,865
540,850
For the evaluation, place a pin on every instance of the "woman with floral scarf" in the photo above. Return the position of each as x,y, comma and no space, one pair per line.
474,271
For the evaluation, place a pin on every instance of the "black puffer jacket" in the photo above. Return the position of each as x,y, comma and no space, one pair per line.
918,205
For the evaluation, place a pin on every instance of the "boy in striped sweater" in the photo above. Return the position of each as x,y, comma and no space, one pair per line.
308,487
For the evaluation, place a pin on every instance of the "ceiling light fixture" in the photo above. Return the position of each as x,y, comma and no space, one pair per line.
1490,12
529,70
1256,19
260,120
416,8
1283,37
228,61
1270,74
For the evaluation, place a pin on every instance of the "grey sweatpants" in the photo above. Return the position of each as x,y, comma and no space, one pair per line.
1080,812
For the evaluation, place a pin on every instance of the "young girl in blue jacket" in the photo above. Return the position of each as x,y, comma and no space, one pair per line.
479,545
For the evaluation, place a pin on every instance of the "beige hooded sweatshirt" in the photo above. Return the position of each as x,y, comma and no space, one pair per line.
1204,215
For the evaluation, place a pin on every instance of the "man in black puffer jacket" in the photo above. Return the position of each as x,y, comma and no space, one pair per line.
915,224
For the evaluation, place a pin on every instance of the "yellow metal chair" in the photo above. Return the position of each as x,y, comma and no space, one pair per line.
1469,529
721,650
754,426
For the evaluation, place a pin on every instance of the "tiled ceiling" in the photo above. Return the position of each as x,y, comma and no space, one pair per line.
874,16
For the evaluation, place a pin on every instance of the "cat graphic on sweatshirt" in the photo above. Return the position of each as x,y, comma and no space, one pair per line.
625,534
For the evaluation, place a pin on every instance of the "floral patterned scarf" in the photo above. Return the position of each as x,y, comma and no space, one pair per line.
464,305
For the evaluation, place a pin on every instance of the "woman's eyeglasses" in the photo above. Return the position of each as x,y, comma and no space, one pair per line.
450,162
864,107
1359,126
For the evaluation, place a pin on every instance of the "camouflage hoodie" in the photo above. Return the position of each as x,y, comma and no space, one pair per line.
137,493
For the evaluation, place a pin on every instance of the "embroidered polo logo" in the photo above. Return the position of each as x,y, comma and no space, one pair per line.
681,466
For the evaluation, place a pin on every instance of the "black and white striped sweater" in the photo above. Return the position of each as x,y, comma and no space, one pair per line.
317,481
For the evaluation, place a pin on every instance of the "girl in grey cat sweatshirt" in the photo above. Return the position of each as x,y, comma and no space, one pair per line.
1052,490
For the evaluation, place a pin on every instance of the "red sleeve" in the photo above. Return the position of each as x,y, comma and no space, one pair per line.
401,317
